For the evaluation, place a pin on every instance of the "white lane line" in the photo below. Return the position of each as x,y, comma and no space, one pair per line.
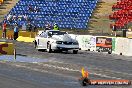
105,76
95,68
62,68
67,69
112,71
44,71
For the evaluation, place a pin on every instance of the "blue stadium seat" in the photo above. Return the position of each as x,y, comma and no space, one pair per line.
67,13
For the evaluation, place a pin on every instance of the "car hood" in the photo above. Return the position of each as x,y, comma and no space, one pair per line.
64,37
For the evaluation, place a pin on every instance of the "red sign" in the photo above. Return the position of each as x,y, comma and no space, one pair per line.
1,48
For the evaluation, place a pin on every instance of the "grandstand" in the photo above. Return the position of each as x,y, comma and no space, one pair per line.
122,14
76,14
68,14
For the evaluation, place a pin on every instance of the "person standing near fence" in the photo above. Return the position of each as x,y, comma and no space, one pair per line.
47,26
16,30
4,30
29,26
56,27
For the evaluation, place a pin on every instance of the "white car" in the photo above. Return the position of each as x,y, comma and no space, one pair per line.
52,40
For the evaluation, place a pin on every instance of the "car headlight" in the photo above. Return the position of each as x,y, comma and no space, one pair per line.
59,42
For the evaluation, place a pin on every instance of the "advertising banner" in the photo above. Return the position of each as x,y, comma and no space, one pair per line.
103,44
87,42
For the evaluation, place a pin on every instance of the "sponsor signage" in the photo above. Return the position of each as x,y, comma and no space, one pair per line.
103,44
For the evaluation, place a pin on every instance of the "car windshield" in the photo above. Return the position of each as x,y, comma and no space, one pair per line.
56,33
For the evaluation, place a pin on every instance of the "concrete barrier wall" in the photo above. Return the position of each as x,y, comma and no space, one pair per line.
6,48
119,45
129,48
123,46
116,45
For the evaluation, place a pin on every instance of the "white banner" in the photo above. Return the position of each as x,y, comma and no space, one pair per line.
87,42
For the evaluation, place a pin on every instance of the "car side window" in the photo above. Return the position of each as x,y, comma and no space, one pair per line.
43,35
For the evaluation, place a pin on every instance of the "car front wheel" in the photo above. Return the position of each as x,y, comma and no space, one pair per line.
75,51
35,45
49,50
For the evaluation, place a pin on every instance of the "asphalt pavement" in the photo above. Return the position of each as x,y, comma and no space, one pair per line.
62,70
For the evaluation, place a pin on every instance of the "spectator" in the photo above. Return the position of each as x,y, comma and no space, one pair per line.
35,9
55,27
9,17
25,17
24,26
20,17
4,21
47,26
30,8
4,30
29,26
14,17
16,30
34,28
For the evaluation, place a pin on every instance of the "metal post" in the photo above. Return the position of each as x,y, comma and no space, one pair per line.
14,54
30,34
115,33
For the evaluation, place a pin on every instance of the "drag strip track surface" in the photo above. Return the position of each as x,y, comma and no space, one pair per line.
63,69
14,76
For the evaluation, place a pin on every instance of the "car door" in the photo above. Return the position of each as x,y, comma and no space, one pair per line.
42,40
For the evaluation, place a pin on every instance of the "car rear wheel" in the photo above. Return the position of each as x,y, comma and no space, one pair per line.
35,45
109,52
75,51
49,50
